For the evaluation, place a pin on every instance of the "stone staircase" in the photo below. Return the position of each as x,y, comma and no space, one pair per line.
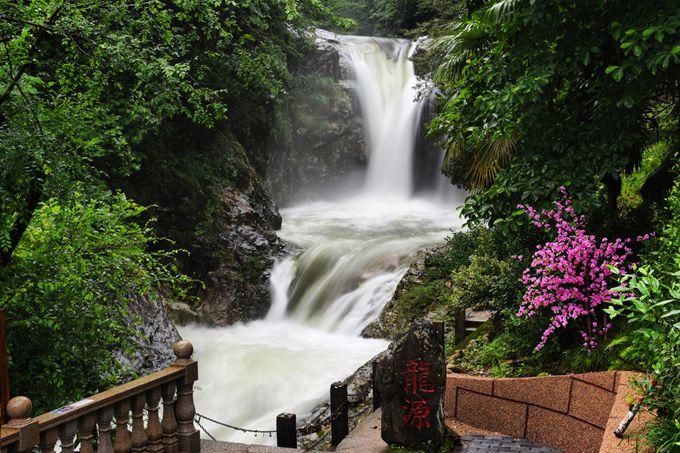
475,318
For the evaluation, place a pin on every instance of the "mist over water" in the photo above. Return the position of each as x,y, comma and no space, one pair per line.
352,251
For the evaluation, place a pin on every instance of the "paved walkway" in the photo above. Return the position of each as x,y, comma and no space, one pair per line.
366,439
215,446
477,443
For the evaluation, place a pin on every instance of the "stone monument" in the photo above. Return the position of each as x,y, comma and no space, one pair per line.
411,380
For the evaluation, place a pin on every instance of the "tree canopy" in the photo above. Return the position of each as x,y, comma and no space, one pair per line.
542,94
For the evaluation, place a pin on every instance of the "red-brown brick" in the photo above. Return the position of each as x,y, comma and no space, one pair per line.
491,414
551,392
562,431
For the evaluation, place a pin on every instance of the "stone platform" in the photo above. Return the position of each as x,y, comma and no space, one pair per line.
215,446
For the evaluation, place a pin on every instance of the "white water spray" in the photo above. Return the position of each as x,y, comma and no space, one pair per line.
354,252
386,89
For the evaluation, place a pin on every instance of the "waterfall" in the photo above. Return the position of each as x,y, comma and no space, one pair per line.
386,89
353,251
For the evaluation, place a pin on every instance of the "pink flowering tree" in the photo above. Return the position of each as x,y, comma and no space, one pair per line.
568,277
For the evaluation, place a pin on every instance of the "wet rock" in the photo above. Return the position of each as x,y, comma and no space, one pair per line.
240,257
411,379
323,144
208,197
157,335
391,321
181,312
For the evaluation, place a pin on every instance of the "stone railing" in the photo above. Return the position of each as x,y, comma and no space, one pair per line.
575,413
101,422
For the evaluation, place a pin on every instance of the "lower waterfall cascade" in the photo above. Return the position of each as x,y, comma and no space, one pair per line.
353,251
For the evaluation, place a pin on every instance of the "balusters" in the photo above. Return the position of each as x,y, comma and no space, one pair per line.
138,438
67,434
188,435
86,433
48,440
169,423
104,418
122,444
154,431
102,424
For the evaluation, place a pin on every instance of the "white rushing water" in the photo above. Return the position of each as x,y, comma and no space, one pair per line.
353,252
386,89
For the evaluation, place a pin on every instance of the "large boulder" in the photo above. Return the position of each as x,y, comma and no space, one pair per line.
208,197
240,256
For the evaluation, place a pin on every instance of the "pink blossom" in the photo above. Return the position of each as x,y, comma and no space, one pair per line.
568,277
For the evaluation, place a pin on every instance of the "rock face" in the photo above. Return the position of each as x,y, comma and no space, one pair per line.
157,335
323,144
242,254
411,379
210,200
393,322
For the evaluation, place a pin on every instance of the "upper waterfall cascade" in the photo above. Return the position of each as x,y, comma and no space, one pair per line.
386,89
354,249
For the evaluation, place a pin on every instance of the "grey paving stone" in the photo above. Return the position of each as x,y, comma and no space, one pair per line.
499,444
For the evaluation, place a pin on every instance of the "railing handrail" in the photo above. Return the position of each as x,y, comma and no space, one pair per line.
111,396
183,371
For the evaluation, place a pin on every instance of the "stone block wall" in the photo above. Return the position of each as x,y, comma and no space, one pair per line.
573,413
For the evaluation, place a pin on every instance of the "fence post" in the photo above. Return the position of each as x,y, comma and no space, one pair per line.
339,412
377,399
286,431
4,369
459,328
187,434
19,411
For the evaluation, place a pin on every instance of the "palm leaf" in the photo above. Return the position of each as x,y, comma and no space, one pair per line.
488,158
500,10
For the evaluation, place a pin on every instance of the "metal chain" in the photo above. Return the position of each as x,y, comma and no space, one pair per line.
198,422
361,412
319,441
200,417
237,428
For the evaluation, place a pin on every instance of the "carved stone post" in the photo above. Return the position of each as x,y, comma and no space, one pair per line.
67,436
122,444
153,427
19,411
169,423
138,438
104,416
189,437
86,433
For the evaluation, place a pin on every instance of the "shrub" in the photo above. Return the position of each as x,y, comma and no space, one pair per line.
65,295
649,301
487,283
567,280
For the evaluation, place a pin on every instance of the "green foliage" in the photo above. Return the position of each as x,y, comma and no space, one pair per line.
101,94
65,295
650,305
394,17
487,283
631,184
542,94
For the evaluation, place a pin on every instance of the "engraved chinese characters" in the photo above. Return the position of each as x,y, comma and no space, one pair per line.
411,380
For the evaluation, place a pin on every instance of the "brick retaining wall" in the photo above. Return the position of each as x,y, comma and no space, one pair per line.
571,412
